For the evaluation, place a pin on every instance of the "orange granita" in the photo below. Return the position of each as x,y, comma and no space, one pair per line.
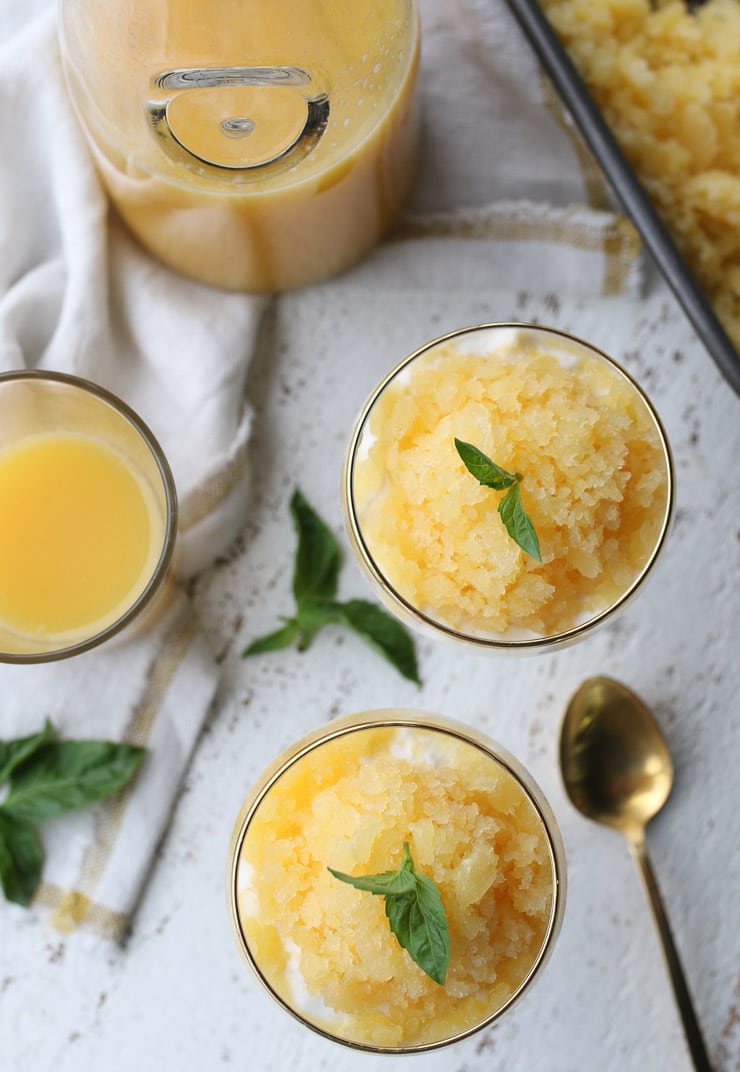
595,484
666,75
326,948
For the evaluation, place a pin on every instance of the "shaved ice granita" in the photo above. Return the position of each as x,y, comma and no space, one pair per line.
357,798
508,485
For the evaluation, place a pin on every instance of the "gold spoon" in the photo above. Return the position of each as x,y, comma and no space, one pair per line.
617,770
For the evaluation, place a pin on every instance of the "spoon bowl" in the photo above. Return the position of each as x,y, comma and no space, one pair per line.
615,762
617,770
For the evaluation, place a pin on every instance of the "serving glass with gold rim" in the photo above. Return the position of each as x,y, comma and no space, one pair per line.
89,517
347,797
571,429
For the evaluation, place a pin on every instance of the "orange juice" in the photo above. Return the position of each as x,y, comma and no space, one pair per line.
80,536
254,145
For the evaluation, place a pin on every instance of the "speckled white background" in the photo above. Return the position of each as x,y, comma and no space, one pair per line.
177,995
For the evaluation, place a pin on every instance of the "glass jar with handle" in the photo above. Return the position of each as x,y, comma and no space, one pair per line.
253,146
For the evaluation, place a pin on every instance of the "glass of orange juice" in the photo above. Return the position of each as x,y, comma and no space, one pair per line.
89,514
579,458
254,146
351,797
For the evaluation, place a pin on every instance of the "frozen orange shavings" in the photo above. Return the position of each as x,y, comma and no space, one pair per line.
327,949
595,487
666,75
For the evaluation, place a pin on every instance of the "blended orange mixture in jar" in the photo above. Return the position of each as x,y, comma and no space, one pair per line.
595,483
198,198
80,536
325,948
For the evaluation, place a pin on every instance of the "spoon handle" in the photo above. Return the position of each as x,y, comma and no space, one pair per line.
680,989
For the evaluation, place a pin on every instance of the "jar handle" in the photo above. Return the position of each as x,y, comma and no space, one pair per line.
174,82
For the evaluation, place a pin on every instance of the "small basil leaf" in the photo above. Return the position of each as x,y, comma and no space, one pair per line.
281,638
518,523
385,633
484,470
318,558
13,753
396,882
398,910
429,934
21,858
64,775
393,882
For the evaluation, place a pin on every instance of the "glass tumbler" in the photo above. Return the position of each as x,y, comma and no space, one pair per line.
581,452
90,517
250,144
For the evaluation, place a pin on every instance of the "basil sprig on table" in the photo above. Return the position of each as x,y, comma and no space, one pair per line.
415,913
45,778
315,581
515,518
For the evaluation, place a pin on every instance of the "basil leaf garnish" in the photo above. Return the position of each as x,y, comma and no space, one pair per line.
483,469
415,912
517,521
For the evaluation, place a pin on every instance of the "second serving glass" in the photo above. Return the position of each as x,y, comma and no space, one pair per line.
584,456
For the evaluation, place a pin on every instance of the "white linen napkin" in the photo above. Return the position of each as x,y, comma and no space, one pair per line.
77,294
501,172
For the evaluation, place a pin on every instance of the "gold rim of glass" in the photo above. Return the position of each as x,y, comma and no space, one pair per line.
401,717
164,561
414,615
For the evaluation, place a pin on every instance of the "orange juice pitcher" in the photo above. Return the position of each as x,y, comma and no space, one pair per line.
251,144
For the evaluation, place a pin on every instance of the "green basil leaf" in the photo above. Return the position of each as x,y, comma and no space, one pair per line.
318,558
518,523
312,616
396,882
415,913
64,775
429,943
393,882
484,470
21,858
13,753
398,912
515,518
385,633
281,638
387,882
315,580
407,864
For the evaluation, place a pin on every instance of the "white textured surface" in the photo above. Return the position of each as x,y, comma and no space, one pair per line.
177,996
